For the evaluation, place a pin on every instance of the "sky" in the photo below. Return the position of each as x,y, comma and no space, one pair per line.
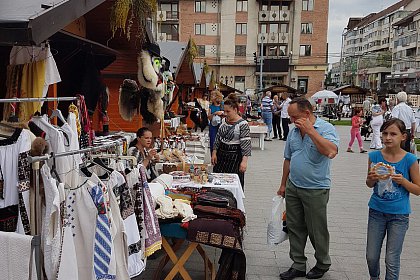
339,13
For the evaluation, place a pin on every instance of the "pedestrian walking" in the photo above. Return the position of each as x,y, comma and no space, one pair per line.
285,120
389,205
248,106
267,113
276,118
356,122
376,123
305,183
233,142
215,115
404,112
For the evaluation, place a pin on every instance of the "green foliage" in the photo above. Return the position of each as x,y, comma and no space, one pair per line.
192,51
125,12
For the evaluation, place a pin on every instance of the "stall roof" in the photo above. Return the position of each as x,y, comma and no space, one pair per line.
24,22
350,89
175,52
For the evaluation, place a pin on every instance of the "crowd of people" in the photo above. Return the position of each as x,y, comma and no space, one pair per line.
393,173
313,142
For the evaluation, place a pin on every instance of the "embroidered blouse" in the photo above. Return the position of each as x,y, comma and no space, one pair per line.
239,134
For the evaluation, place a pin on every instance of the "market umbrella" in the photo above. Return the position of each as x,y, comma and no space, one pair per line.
324,94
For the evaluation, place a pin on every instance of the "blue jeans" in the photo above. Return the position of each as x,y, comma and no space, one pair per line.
394,226
268,120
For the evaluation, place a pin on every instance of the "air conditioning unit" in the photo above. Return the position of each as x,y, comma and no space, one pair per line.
161,16
162,37
263,15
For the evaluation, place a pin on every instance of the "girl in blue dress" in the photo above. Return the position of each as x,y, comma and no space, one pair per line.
389,205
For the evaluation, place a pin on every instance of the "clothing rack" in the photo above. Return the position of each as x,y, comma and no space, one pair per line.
37,99
35,167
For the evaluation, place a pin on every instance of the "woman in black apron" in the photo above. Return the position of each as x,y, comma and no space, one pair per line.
232,146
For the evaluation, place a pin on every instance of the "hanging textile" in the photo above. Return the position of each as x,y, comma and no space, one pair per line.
33,77
13,83
16,174
153,237
24,55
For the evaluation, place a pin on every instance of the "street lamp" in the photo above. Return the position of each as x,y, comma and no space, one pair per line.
261,61
341,55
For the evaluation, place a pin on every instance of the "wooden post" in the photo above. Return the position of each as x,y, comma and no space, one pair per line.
52,92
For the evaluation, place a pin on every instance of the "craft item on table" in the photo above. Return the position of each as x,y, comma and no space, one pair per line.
167,168
184,209
165,180
223,179
166,208
212,199
175,194
156,189
228,213
180,176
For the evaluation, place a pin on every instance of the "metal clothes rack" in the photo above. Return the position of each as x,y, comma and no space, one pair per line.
35,167
37,99
36,241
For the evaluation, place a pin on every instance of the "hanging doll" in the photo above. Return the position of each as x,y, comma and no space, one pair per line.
149,95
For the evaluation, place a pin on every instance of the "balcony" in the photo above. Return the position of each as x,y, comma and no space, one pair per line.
273,16
167,16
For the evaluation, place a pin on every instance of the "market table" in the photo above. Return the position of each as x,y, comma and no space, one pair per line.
225,181
259,132
174,230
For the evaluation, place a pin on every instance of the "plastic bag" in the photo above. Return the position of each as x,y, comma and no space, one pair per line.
384,185
277,229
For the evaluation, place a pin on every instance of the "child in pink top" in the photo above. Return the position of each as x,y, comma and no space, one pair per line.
356,122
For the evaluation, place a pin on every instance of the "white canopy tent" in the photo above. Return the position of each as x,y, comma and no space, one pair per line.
325,94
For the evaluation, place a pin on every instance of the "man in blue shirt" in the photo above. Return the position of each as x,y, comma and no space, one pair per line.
310,146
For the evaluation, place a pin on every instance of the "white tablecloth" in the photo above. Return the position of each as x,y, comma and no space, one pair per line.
235,188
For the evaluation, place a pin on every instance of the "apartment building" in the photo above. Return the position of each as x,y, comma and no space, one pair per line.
232,35
368,45
405,72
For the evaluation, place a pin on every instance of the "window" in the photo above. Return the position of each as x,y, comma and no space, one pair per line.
240,83
303,84
200,6
274,28
240,50
306,28
171,10
201,50
200,29
171,31
241,6
284,27
241,28
307,5
305,50
263,28
283,50
272,51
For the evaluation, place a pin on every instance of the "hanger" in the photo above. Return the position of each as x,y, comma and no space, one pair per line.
57,113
